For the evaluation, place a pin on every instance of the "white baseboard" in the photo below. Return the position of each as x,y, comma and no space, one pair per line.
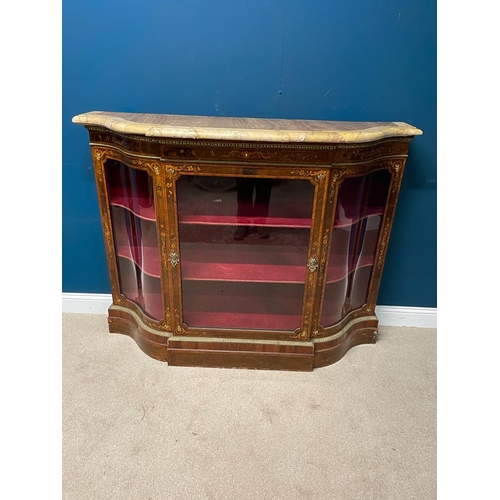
86,303
422,317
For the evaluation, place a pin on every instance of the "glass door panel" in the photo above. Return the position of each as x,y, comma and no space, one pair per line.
243,251
133,220
358,218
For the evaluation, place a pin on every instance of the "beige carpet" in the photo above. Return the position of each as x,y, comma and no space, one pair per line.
135,428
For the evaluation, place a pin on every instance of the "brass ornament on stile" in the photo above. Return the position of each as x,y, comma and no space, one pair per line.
173,258
312,264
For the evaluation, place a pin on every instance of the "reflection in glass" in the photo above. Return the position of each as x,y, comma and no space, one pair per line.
251,207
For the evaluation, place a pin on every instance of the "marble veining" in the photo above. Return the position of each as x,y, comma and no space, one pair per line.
245,129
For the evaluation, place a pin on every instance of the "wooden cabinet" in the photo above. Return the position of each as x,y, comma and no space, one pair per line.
237,242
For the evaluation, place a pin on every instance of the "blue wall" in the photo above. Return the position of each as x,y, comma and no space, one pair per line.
330,59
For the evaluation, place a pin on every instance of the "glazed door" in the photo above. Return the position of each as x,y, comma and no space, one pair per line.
135,263
244,243
356,227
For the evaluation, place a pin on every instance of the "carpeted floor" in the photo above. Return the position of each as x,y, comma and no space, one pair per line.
135,428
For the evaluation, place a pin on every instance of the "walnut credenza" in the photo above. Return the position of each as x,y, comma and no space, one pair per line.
239,242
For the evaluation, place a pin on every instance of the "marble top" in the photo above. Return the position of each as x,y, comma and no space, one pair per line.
245,129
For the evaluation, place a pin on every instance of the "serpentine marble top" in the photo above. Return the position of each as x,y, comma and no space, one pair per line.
245,129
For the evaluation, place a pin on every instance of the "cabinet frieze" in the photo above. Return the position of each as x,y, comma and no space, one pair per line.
231,152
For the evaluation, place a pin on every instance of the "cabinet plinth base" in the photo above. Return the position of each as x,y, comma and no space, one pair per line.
128,323
324,356
242,353
216,353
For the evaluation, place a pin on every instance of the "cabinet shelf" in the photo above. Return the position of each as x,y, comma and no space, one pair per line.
229,319
253,321
338,269
243,273
242,305
137,205
351,215
268,312
142,207
147,259
233,220
195,266
152,303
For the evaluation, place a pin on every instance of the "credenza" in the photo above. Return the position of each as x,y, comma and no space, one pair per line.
245,242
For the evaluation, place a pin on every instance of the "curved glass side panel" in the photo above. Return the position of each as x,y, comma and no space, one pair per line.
358,218
133,220
243,251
